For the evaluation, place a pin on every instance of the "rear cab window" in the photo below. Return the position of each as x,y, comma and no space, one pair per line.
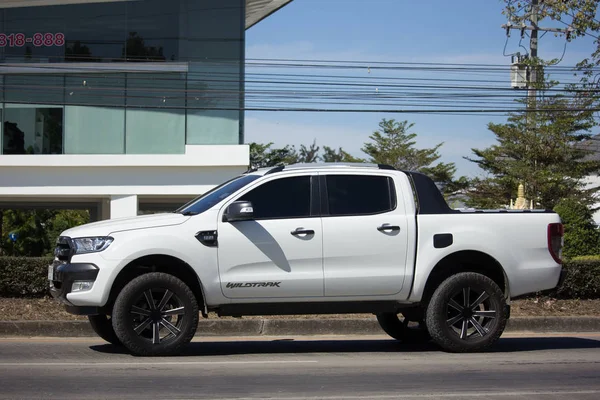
348,195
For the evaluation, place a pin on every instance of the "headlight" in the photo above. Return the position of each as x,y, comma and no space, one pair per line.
91,244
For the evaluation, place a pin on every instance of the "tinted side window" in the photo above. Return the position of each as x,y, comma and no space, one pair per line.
281,198
359,195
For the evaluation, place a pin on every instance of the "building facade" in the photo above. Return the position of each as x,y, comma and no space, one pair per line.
121,105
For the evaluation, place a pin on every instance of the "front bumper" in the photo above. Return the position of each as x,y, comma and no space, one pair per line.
61,276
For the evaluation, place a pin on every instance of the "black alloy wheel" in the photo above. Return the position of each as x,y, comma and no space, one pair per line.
102,325
155,314
467,313
405,329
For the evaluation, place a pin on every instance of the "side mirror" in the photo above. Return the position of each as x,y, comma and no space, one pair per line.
239,211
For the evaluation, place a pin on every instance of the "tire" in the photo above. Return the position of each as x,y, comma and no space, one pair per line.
102,325
401,330
155,314
451,324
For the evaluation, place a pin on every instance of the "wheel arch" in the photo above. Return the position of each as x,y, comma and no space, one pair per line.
466,261
159,263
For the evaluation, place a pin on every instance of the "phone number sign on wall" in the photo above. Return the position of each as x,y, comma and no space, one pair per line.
37,40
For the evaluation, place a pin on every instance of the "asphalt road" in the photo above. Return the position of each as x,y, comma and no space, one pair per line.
340,368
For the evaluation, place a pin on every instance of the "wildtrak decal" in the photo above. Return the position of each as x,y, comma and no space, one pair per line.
231,285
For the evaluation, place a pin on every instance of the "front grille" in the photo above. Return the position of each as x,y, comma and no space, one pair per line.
64,249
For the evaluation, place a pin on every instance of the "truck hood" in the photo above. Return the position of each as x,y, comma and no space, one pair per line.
104,228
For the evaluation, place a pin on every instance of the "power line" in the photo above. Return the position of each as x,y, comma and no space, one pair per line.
341,110
569,25
405,87
273,63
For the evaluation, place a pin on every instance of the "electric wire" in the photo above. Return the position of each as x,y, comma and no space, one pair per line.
289,85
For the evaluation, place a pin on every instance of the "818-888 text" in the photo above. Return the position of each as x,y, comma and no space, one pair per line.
37,39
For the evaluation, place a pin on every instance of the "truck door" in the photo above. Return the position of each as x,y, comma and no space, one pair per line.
278,254
365,239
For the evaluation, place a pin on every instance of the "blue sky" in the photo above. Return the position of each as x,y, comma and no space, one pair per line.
459,31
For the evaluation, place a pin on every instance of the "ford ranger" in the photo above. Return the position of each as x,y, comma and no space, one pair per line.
309,239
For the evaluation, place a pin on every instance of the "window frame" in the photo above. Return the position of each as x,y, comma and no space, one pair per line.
315,194
324,203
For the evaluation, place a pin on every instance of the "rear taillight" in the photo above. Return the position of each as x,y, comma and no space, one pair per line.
555,241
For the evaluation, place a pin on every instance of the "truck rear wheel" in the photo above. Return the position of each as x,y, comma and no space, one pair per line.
102,325
402,329
467,313
155,314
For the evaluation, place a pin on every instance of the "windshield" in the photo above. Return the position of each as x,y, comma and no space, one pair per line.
212,197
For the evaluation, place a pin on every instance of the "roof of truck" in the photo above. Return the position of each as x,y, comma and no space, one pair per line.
429,198
311,166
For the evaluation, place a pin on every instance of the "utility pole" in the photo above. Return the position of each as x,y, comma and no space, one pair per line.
533,16
532,93
533,52
532,77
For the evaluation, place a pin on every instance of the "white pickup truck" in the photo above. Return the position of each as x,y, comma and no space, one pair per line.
309,239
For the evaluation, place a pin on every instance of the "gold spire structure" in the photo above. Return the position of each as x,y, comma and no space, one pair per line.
521,203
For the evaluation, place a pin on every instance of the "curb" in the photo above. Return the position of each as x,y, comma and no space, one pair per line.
291,327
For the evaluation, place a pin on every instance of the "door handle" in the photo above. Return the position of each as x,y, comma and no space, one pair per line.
388,227
302,231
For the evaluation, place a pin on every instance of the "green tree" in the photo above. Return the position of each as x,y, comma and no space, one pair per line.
579,15
393,145
262,155
582,237
308,154
63,220
331,155
542,150
29,226
577,18
37,230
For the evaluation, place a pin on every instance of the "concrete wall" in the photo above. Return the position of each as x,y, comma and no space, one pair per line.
116,181
594,181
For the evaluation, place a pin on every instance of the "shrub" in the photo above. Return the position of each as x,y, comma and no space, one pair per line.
582,279
582,238
27,277
37,230
24,276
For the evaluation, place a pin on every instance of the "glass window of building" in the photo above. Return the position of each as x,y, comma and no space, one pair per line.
33,35
32,129
95,114
115,77
152,30
33,114
95,32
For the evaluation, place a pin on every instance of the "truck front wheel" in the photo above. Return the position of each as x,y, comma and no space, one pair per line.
402,329
155,314
467,313
102,325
